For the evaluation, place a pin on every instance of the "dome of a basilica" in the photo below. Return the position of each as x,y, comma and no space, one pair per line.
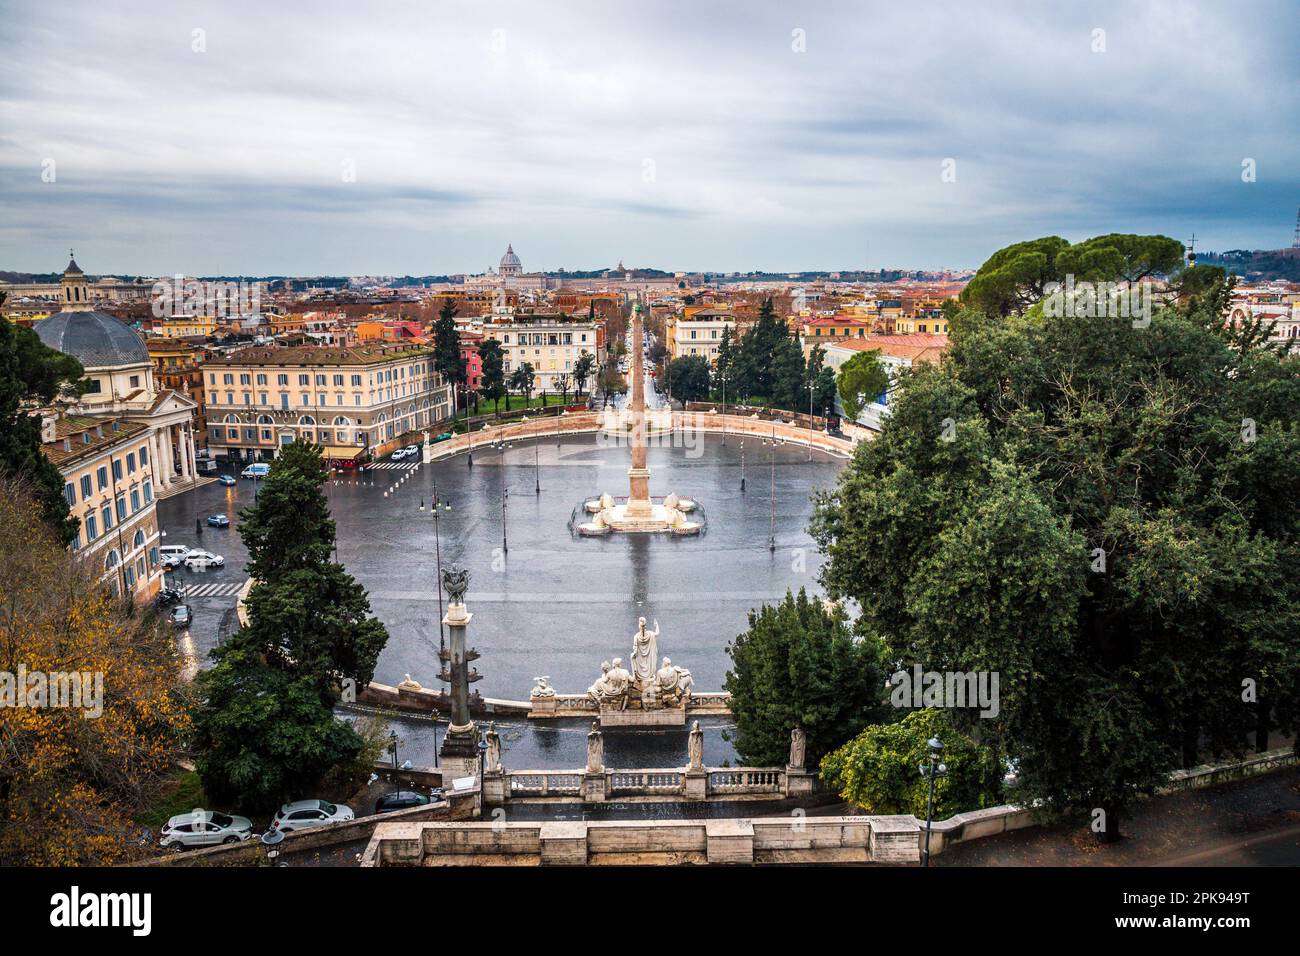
93,338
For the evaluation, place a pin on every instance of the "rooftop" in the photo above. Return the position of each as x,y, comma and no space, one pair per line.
81,436
324,355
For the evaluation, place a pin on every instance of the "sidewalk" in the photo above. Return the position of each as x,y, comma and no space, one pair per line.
1252,822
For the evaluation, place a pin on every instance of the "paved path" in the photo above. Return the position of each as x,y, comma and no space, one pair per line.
1249,822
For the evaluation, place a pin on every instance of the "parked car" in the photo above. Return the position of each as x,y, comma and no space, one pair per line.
170,555
219,521
302,814
181,615
203,559
443,437
256,470
401,800
204,828
226,479
403,453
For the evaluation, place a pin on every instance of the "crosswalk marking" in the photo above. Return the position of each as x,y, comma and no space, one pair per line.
214,590
407,465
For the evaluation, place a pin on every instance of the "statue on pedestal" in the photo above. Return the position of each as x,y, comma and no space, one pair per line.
543,688
493,757
798,746
695,747
595,750
645,646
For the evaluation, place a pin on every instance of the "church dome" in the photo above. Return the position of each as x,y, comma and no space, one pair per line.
93,338
510,264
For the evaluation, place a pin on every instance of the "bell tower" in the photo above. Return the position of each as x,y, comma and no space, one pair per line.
74,292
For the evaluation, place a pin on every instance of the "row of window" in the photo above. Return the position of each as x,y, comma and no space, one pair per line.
122,508
282,378
101,481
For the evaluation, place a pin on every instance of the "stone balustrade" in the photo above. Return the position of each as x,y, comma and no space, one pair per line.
648,784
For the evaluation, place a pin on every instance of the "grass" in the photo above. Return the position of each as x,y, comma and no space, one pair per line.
181,794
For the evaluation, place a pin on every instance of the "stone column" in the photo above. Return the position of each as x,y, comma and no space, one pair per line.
595,782
459,751
164,457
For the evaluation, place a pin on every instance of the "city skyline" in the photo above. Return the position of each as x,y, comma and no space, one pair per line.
404,141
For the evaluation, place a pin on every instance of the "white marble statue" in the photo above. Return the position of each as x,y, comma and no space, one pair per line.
543,688
618,682
645,645
493,757
798,747
595,750
599,690
695,747
673,682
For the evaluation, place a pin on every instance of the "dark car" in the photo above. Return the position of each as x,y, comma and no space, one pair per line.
400,800
227,479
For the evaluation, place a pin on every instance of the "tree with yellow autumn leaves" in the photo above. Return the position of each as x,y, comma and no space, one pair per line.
91,710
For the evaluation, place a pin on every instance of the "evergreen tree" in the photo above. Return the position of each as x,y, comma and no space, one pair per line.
758,352
788,376
447,360
583,369
723,367
31,373
799,666
689,377
494,376
309,631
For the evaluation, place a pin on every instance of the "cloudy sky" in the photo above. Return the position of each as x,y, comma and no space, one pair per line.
374,136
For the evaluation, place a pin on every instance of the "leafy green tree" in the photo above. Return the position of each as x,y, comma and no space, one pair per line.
1080,506
447,360
493,386
1014,278
262,736
862,379
522,380
583,369
1120,258
688,377
799,666
878,769
31,373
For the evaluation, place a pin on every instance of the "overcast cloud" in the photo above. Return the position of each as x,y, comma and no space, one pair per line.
675,135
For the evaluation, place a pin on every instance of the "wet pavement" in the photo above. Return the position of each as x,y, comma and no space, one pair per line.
546,602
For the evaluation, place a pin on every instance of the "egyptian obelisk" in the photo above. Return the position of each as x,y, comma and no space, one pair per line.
638,499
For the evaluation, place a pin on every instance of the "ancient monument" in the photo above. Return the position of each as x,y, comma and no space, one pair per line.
639,513
646,695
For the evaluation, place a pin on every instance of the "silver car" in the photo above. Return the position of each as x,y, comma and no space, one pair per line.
204,828
302,814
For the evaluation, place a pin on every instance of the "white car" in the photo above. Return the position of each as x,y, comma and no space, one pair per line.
204,828
203,559
170,555
302,814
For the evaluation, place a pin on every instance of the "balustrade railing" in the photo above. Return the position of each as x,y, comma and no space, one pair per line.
645,781
747,780
544,783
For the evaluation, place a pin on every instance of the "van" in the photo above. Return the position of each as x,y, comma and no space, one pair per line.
259,470
170,555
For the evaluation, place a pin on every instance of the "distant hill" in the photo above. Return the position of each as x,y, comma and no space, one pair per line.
1265,264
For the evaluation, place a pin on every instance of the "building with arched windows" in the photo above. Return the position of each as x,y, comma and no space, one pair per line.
356,401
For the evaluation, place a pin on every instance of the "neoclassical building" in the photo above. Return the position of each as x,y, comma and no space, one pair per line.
121,382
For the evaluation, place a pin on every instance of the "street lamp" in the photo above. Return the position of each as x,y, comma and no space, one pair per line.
723,378
503,446
437,507
810,387
435,735
930,769
742,465
272,839
392,748
482,764
771,539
